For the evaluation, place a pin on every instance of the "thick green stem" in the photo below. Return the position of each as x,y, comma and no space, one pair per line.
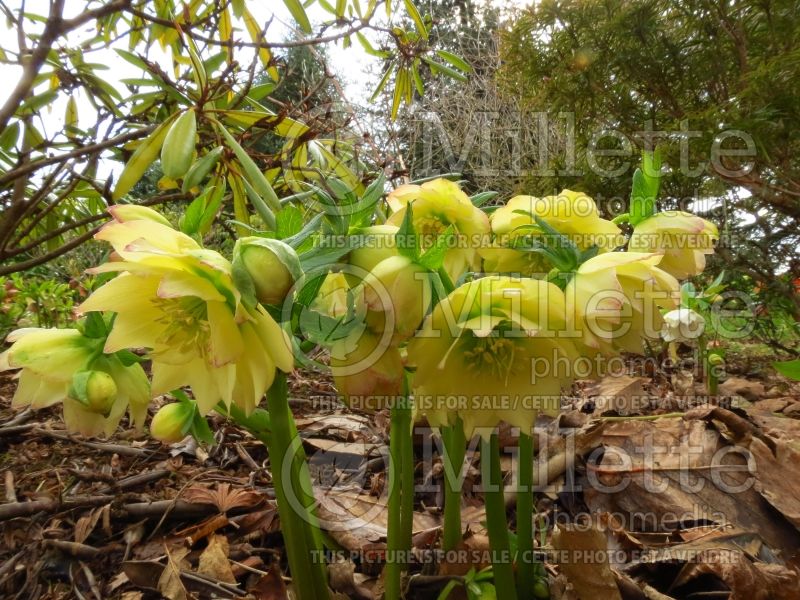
454,450
525,569
394,535
294,493
407,484
496,522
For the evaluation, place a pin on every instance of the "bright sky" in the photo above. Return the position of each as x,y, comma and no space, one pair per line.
351,64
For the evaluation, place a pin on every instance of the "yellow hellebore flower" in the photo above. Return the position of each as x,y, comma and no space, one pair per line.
179,301
50,358
397,294
331,299
367,370
379,245
615,299
491,351
500,259
572,214
683,238
438,204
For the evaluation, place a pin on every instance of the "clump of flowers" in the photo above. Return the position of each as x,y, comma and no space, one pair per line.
179,301
67,366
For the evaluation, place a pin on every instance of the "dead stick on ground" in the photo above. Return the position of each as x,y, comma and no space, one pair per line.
118,448
11,494
162,508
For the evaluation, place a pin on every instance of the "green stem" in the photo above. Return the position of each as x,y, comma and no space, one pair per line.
300,527
454,450
525,567
394,535
496,522
407,484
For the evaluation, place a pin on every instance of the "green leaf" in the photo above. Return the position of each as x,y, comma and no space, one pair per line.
9,136
382,83
433,258
789,368
94,326
190,223
455,60
482,198
299,14
437,67
201,168
289,222
200,429
644,191
688,294
369,48
251,170
417,18
132,58
143,157
406,238
260,205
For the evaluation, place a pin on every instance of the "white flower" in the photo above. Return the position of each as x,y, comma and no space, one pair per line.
682,325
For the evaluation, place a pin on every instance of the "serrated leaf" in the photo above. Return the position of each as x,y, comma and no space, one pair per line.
433,258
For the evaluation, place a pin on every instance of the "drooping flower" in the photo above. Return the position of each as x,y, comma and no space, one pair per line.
179,300
502,259
570,213
682,325
683,238
397,293
367,370
493,350
50,363
272,265
437,205
379,244
616,300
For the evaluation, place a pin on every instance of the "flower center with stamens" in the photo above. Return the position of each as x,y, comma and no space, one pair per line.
495,355
186,324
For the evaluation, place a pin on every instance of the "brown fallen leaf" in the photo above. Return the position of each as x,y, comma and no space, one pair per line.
623,394
224,497
744,578
583,559
169,583
270,586
214,560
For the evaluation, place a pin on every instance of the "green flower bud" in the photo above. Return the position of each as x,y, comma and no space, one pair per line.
96,390
171,423
271,265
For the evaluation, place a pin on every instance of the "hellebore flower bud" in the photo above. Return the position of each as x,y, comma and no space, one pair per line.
271,265
171,423
96,390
